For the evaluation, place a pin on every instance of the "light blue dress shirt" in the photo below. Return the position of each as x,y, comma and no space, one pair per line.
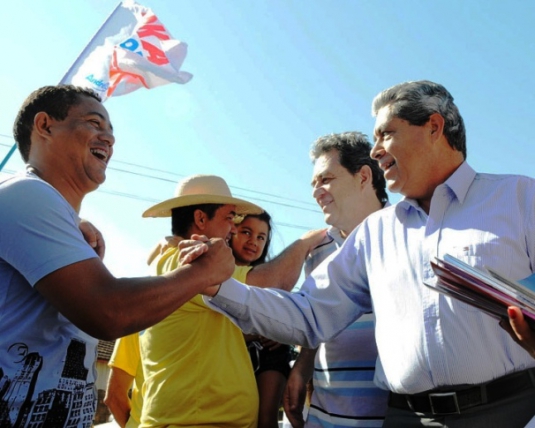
425,339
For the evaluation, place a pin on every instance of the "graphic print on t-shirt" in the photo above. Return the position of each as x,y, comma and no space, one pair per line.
70,403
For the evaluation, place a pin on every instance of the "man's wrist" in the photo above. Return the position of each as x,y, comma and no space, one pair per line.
212,291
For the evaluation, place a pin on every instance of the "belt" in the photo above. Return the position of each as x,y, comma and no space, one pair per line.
443,402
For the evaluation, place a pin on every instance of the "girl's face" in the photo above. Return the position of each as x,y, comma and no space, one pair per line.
249,242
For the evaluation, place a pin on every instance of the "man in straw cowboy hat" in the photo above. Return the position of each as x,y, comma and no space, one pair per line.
196,365
55,291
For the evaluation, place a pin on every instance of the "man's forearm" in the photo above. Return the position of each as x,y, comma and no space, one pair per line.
116,398
304,364
129,305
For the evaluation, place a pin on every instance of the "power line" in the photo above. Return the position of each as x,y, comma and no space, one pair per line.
237,195
145,199
151,200
182,176
153,177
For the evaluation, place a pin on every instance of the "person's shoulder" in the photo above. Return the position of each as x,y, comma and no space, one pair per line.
240,273
512,178
166,262
27,185
378,216
511,182
330,242
21,181
31,197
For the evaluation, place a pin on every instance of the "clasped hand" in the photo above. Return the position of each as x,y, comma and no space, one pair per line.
216,255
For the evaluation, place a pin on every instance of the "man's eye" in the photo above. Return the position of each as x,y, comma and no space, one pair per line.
326,180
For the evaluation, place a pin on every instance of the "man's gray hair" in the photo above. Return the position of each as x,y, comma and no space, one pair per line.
416,101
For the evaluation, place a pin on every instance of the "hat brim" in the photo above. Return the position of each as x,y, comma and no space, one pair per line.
163,209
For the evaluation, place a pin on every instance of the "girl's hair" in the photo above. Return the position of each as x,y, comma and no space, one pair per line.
266,218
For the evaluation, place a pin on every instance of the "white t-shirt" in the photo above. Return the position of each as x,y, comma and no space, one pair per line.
46,363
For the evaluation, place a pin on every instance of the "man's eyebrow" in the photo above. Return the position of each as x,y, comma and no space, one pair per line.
316,178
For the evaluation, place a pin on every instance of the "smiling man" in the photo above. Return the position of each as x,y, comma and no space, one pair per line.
197,354
56,295
348,185
446,364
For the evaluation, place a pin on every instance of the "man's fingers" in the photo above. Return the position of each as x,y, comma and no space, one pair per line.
201,238
293,406
189,254
93,237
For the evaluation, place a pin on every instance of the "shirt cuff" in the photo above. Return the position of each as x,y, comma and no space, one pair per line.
230,298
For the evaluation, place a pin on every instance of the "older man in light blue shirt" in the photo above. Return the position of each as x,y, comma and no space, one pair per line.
446,363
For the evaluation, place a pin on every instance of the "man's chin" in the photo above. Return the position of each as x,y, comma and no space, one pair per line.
328,218
94,185
393,186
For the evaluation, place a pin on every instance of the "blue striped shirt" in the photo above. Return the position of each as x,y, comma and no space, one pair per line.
344,393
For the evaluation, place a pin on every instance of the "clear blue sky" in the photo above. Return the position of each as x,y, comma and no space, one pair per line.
270,76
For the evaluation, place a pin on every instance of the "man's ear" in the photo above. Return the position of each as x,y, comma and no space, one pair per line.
41,124
199,218
365,175
436,125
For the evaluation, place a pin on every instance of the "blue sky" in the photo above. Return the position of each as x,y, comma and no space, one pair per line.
270,76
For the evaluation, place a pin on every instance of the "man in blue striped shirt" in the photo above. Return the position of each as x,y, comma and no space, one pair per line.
348,185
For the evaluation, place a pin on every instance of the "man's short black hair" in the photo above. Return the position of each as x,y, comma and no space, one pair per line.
56,101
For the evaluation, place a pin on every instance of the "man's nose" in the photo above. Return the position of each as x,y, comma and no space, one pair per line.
107,137
377,151
317,192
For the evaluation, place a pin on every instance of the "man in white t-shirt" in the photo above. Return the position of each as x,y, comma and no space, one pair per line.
56,295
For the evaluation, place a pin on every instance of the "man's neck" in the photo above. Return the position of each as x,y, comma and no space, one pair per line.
370,207
71,195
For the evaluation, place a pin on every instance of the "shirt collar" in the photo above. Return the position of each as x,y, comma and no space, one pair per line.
336,234
460,181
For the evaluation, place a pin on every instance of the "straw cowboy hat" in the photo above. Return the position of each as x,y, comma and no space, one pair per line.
201,189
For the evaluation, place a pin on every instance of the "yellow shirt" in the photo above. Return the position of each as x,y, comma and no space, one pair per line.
196,366
126,357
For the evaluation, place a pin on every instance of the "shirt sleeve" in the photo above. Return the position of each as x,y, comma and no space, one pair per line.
39,232
126,355
329,300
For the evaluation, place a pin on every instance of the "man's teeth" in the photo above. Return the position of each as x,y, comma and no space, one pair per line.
101,154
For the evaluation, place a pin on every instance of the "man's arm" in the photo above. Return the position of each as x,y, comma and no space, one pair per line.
295,393
116,398
330,299
284,270
106,307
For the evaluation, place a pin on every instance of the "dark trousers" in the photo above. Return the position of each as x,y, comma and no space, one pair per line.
514,411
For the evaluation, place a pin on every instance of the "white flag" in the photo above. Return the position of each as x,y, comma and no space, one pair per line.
131,50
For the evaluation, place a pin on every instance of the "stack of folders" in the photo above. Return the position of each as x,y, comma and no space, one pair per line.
486,290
